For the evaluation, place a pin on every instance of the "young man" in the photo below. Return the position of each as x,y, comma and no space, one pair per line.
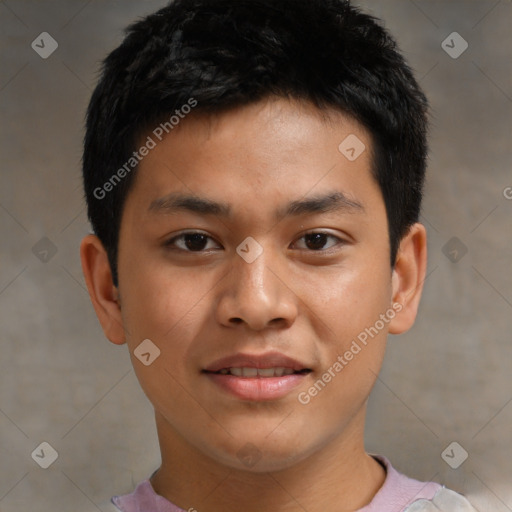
253,172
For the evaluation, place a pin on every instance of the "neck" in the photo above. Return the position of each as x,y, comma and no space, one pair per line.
340,476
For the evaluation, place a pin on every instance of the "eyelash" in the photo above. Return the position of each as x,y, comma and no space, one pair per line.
170,243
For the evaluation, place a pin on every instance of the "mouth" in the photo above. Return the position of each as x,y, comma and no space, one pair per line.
252,372
265,377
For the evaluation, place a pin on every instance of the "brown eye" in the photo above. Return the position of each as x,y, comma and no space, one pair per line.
195,241
317,241
190,242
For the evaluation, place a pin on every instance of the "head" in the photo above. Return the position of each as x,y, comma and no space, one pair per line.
295,123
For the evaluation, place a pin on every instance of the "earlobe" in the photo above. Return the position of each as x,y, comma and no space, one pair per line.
408,277
104,295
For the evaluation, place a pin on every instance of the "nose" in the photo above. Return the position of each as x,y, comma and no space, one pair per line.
256,295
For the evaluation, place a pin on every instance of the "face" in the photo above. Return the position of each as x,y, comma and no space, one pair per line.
255,256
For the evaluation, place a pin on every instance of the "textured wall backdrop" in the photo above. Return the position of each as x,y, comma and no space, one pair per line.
446,381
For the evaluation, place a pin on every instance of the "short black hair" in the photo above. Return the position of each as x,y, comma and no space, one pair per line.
224,54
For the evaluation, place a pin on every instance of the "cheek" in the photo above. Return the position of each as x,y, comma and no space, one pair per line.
169,306
341,302
350,306
165,307
162,301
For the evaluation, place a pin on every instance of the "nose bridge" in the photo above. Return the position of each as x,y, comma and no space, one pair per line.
252,280
253,294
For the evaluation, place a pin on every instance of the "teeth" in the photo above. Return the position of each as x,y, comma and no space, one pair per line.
249,372
266,372
257,372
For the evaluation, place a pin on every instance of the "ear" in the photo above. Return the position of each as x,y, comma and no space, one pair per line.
104,295
408,277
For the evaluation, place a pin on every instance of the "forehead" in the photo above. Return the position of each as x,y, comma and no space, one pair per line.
272,150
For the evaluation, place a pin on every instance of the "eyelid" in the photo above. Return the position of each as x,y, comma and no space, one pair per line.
171,241
340,240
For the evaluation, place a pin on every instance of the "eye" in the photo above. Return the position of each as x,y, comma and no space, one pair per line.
192,241
317,240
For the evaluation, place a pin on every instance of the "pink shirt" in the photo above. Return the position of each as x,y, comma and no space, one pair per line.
395,495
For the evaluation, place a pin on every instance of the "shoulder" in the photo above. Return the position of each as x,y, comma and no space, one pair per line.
444,500
107,506
143,498
400,492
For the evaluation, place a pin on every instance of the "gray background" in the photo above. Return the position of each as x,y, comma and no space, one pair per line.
448,379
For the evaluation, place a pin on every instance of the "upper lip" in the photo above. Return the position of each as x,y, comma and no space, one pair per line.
267,360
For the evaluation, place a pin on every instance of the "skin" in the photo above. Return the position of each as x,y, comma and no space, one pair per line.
304,300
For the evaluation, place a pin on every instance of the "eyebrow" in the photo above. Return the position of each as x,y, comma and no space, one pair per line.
331,202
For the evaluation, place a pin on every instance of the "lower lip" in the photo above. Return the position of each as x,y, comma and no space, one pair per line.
257,388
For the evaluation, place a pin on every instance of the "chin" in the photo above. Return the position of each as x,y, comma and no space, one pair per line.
257,455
